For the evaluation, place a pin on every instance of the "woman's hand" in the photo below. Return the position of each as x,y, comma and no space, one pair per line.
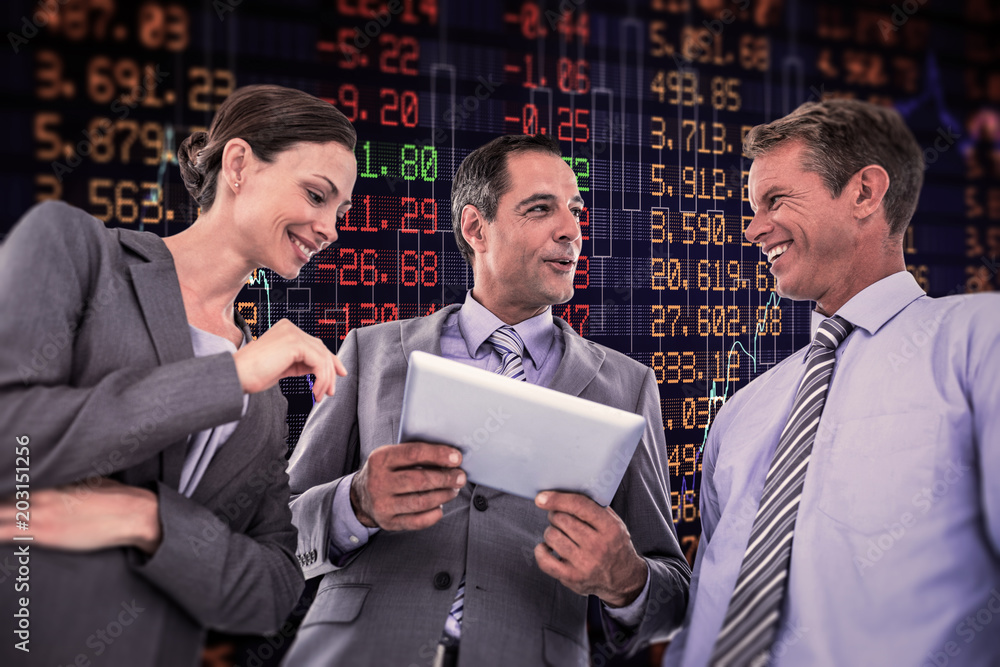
286,351
98,513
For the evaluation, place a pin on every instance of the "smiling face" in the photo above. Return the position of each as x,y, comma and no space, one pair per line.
812,240
525,259
287,210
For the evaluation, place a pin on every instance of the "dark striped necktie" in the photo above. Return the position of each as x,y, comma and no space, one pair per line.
751,621
510,347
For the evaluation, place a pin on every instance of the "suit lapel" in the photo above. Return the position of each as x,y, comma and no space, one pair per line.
246,449
163,309
243,450
159,297
424,333
241,455
580,364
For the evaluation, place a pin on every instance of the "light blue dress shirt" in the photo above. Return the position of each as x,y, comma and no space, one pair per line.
896,550
464,338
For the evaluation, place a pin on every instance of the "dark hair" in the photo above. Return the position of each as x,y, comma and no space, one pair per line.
483,178
269,118
842,137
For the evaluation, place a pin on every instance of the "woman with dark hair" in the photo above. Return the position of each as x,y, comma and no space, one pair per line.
143,469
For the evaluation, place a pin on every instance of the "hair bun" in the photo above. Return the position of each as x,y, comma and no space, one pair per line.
191,167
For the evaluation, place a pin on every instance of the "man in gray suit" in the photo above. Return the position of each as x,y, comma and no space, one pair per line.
421,568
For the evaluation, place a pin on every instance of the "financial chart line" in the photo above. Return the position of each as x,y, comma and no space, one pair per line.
773,301
260,277
167,157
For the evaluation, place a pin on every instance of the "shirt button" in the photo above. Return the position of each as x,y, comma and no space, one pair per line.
480,503
354,539
442,581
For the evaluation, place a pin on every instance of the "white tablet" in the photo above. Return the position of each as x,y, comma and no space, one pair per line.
518,437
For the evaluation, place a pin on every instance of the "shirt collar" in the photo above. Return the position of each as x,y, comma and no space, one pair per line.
477,324
876,304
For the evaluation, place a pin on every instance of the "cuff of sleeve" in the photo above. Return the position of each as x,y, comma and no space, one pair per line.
347,534
191,534
203,392
630,616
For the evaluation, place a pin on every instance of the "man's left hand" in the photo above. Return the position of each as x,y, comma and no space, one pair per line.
589,550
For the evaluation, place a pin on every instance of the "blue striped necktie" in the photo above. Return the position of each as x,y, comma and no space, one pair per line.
510,347
751,622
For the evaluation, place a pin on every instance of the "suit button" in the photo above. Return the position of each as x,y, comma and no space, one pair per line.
442,580
480,503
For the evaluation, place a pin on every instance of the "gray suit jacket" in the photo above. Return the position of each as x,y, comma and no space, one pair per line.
388,604
97,369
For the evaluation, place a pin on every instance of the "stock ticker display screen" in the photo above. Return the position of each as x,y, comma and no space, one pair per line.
650,102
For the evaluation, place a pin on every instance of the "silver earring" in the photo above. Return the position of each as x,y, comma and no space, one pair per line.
236,184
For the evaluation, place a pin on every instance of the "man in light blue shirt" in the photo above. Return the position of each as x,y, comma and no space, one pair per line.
895,552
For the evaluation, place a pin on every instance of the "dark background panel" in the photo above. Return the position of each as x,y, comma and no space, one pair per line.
650,101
